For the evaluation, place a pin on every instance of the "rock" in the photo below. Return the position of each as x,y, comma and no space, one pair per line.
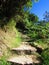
26,49
24,60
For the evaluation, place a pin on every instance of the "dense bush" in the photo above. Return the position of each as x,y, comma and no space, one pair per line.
38,31
45,57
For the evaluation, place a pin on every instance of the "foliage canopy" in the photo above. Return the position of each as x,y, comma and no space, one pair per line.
9,8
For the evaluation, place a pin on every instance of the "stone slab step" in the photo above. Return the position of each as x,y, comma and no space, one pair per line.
24,60
24,49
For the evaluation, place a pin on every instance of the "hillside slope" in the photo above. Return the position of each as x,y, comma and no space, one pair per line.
9,39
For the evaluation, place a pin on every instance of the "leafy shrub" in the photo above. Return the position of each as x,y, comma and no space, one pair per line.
45,56
3,61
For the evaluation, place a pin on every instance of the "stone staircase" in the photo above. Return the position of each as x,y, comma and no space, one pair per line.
25,54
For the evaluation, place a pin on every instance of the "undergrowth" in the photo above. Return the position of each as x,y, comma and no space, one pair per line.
3,60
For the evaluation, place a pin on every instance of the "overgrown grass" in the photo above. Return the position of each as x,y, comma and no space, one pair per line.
3,60
10,36
11,39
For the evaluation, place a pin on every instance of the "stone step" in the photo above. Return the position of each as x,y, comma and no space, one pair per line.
24,60
26,49
24,36
26,43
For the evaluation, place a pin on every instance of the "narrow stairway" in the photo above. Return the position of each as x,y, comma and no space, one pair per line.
25,54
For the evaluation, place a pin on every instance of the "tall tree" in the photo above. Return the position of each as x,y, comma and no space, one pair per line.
9,8
13,8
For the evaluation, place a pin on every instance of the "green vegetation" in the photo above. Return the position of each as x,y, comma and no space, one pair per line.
3,61
45,56
38,31
11,11
14,11
39,34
